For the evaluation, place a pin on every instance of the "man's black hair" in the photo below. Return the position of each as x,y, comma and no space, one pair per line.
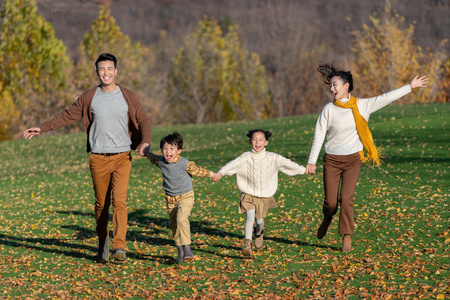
106,57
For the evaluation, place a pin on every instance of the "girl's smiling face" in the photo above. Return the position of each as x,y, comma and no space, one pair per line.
258,141
170,152
338,88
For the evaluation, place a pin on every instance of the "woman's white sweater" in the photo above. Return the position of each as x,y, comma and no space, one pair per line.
257,173
338,124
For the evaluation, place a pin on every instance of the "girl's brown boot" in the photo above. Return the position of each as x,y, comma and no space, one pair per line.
247,251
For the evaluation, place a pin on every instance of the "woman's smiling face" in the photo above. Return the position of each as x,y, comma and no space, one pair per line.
338,88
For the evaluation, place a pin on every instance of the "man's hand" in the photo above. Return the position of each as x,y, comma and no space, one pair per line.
30,132
144,149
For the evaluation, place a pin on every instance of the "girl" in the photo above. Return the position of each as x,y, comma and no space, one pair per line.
257,179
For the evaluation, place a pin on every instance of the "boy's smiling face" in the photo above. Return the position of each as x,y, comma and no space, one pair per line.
170,152
258,141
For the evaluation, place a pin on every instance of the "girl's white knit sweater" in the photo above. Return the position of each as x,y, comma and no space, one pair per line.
338,124
257,173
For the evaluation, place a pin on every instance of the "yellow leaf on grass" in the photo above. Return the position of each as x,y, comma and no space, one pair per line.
237,292
136,247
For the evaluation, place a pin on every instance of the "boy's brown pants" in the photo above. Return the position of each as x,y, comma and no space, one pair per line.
342,169
110,176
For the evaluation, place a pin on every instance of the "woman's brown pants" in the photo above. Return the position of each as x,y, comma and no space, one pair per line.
341,170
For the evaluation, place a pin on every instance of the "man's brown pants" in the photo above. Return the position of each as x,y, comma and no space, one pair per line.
110,176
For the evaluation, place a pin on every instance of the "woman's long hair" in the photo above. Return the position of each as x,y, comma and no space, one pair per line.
328,71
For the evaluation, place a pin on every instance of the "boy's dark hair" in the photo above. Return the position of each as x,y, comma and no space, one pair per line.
267,133
105,57
174,139
328,71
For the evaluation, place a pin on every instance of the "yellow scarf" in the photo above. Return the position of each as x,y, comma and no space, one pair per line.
373,155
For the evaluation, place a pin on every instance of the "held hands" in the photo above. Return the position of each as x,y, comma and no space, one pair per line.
216,177
419,82
144,150
310,169
30,132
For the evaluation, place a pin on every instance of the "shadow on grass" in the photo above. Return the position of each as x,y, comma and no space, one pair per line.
150,227
49,245
203,227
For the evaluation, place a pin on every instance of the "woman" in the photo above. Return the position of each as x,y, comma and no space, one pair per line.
344,123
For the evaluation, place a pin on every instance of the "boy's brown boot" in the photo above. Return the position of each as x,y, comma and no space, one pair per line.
187,252
247,251
347,243
180,254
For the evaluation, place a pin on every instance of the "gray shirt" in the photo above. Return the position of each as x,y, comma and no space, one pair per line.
109,129
176,179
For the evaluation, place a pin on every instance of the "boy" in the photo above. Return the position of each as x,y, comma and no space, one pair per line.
257,179
177,174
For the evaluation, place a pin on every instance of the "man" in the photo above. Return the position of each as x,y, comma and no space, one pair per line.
115,122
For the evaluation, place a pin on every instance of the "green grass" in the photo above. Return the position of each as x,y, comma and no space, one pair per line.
400,248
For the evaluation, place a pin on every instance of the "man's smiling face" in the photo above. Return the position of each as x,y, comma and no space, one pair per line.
106,72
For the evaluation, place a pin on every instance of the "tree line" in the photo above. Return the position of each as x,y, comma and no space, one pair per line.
213,76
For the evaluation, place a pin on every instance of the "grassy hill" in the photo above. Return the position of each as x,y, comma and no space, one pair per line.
400,248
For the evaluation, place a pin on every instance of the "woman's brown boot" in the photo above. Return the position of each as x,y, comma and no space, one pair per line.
347,243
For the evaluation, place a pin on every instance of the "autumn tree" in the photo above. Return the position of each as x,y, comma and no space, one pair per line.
304,93
9,114
34,68
134,60
243,90
444,95
282,33
386,57
193,79
213,78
